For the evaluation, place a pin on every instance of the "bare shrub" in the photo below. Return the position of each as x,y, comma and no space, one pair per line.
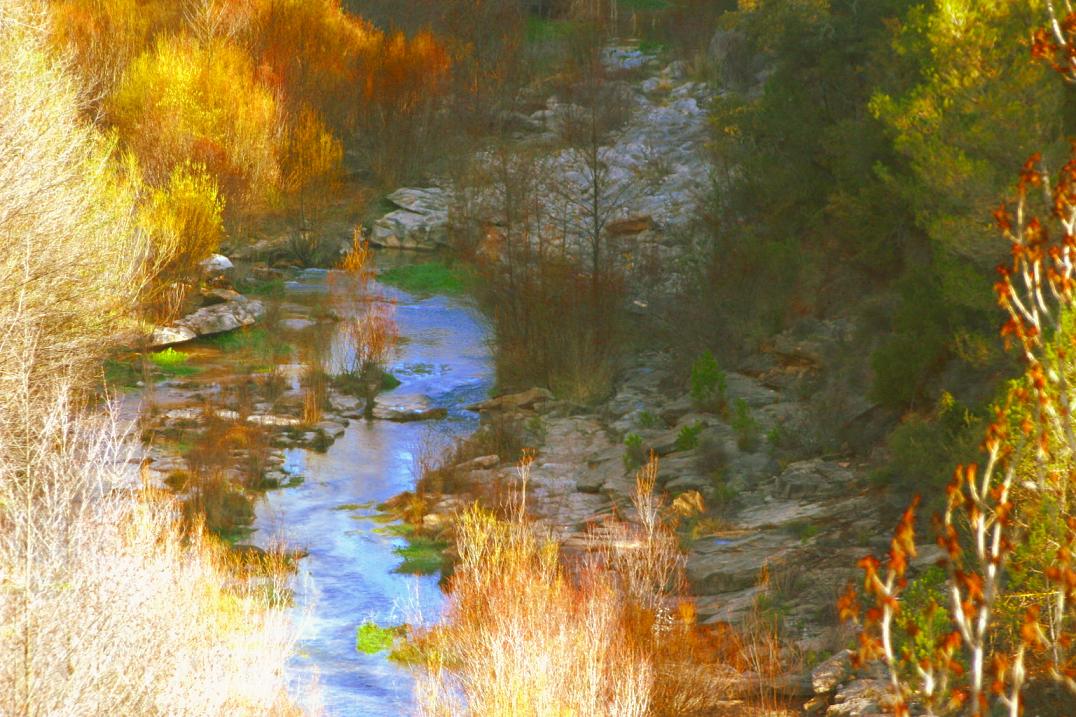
70,262
529,632
108,606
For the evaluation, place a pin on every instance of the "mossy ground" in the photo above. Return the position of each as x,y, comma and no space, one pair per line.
432,277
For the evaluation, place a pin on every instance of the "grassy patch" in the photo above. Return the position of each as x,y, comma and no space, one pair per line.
541,30
354,506
643,5
421,556
431,277
254,287
172,363
652,47
258,342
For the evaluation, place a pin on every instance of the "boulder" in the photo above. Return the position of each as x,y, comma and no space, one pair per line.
429,200
404,409
513,401
862,698
270,420
831,673
420,223
625,58
216,264
168,335
218,296
216,319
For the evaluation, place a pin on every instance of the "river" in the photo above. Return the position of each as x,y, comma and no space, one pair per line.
350,573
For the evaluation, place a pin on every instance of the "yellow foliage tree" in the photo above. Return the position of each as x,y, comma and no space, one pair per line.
184,221
103,36
184,101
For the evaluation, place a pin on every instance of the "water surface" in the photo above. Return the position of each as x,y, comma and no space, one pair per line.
350,574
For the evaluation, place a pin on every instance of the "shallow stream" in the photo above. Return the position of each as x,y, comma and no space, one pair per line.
350,574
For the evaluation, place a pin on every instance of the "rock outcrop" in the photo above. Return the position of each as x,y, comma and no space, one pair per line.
420,222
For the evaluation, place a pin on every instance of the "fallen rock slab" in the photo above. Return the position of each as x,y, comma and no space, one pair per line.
518,401
404,409
420,223
208,320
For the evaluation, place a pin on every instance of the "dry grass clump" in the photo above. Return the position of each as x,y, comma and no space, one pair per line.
529,632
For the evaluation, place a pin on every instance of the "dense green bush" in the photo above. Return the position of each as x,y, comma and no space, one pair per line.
708,383
634,453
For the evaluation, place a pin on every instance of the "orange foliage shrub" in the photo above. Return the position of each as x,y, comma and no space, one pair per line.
102,37
311,161
310,50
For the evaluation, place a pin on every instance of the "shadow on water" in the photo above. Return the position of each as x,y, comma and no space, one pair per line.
350,574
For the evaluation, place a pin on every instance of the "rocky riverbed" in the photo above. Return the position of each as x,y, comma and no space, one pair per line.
782,466
779,466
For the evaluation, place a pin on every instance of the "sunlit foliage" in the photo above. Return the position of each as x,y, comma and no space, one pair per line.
182,102
184,221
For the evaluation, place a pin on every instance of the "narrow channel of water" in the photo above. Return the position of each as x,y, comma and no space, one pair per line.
350,573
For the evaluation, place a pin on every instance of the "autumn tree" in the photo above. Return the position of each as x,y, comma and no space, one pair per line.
184,222
181,102
104,37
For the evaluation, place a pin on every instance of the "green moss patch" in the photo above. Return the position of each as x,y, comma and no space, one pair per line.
257,342
421,556
172,363
371,638
431,277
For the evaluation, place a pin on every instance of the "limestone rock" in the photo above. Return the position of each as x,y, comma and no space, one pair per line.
513,401
216,264
169,335
862,698
815,477
480,463
218,318
404,409
420,223
831,673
